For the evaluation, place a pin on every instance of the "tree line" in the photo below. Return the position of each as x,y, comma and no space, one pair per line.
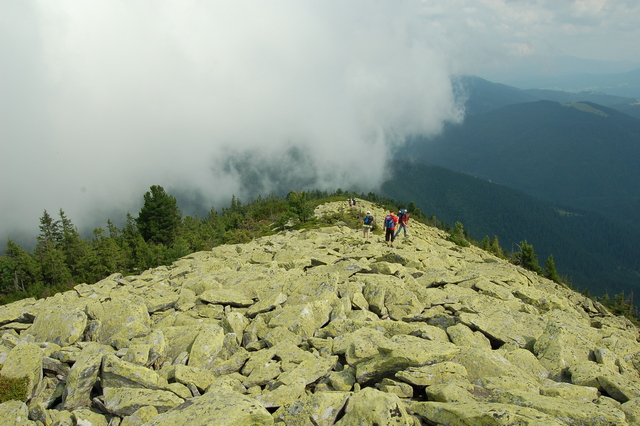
159,235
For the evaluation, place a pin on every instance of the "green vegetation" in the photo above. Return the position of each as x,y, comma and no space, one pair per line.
621,305
13,389
458,236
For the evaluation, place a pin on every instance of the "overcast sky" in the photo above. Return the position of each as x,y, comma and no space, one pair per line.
99,100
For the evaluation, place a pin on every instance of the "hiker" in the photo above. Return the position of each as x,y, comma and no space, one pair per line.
403,220
367,224
389,226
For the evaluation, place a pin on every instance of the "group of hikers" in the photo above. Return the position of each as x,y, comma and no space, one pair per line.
390,222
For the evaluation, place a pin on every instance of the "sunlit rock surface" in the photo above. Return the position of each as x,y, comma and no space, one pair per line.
323,327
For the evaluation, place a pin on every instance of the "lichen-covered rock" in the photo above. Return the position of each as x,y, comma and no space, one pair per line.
140,416
482,414
59,325
198,377
619,388
482,364
87,416
15,413
122,319
462,335
83,376
569,391
454,392
371,406
206,346
321,408
147,350
402,352
24,360
117,373
126,401
427,375
573,411
220,407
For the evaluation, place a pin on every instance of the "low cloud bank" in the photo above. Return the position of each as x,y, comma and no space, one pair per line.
210,98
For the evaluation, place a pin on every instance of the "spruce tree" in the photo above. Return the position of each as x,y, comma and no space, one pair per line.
49,253
299,206
550,270
527,257
24,269
159,218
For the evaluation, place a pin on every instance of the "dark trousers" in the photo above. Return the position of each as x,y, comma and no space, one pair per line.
388,235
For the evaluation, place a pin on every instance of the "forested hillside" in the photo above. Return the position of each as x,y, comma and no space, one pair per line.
583,155
593,252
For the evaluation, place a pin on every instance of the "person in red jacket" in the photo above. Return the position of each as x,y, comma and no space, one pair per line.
403,220
390,222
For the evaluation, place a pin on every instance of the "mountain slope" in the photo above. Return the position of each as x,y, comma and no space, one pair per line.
320,327
629,106
594,252
581,155
482,96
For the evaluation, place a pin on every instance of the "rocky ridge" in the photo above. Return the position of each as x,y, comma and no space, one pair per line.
320,327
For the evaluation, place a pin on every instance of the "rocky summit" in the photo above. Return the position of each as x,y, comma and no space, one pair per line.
323,327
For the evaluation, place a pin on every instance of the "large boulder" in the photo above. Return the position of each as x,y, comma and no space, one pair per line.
59,325
24,361
220,407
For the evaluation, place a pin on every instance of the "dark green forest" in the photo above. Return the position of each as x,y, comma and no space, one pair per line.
580,155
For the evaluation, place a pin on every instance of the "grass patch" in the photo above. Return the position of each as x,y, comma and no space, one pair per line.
13,389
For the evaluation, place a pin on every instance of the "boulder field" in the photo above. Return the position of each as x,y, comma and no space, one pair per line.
322,327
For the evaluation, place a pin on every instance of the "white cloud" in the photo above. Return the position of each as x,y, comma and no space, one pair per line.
103,98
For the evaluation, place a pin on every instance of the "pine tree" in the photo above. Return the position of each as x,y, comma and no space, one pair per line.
159,218
24,268
550,270
527,258
108,255
49,253
75,249
299,206
495,247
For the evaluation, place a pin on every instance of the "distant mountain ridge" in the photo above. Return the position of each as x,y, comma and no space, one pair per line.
482,96
626,83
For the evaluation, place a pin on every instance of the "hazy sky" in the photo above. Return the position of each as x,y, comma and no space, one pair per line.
102,99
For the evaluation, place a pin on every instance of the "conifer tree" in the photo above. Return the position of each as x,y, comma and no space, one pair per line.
24,270
49,253
75,250
527,258
159,218
495,248
299,206
550,269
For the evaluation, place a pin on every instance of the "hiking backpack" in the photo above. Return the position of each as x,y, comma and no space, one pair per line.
368,219
389,223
